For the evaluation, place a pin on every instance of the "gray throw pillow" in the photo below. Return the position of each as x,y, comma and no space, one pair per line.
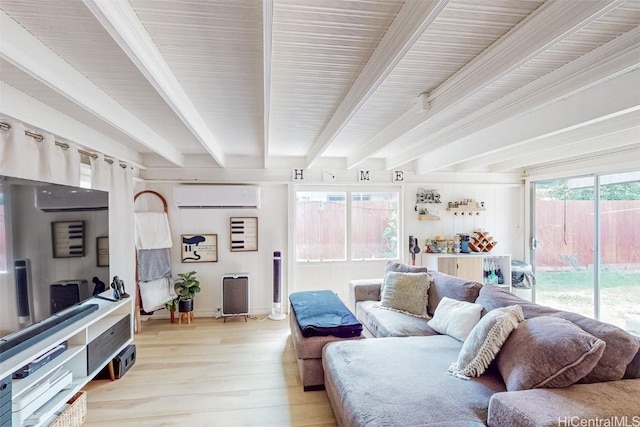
485,340
620,350
399,267
444,285
405,292
547,352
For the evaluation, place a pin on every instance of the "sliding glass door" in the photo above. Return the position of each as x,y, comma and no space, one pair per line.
587,246
565,244
619,269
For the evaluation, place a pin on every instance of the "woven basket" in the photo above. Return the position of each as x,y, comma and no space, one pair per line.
76,414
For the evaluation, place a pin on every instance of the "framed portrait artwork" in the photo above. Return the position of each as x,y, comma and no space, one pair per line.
199,248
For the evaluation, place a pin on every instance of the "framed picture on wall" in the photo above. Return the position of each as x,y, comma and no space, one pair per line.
199,248
244,234
102,251
67,238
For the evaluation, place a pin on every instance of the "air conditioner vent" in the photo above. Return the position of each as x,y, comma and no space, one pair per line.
203,196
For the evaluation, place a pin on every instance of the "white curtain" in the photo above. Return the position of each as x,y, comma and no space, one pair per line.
64,164
21,156
122,255
100,174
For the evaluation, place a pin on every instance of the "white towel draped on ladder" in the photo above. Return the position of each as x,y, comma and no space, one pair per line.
152,230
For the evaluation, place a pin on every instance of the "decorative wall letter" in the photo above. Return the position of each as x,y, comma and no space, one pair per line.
297,175
398,176
363,175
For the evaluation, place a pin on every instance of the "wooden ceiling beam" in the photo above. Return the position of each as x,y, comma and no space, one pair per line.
545,27
20,48
606,101
411,22
123,24
616,132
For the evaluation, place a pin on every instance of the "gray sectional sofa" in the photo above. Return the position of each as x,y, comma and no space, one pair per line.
400,378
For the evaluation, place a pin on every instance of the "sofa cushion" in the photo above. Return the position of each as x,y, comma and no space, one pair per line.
619,352
387,323
406,292
633,368
577,405
455,318
485,340
547,352
621,347
444,285
404,382
491,297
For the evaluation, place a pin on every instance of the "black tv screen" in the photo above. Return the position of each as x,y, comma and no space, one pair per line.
53,243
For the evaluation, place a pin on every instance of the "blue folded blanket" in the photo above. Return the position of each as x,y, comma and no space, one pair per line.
322,313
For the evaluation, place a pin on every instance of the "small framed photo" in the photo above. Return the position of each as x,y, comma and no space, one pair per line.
199,248
244,234
102,251
67,238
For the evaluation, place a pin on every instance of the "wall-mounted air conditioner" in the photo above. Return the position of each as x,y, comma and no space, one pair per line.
216,196
59,198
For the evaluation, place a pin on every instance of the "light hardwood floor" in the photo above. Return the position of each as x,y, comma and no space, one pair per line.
209,373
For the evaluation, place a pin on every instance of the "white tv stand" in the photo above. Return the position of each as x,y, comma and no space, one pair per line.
93,329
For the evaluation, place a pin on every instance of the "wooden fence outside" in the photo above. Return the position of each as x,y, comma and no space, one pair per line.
565,232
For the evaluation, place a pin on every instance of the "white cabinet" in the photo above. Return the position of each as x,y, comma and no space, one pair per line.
469,266
75,359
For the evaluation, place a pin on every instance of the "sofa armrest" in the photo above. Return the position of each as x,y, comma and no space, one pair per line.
568,406
363,290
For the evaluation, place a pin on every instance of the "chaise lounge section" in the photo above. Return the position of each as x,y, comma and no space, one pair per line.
400,378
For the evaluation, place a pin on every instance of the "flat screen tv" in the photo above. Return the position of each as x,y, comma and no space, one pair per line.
53,249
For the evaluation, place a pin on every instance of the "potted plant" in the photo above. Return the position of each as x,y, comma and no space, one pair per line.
186,286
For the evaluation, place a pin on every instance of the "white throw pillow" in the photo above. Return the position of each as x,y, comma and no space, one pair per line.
485,340
455,318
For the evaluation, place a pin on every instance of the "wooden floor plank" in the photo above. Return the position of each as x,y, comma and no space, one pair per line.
209,373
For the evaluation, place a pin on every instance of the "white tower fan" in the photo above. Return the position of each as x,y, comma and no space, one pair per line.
276,308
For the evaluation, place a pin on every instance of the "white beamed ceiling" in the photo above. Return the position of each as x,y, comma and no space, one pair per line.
424,87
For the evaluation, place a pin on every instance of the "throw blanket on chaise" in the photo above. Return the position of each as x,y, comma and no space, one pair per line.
322,313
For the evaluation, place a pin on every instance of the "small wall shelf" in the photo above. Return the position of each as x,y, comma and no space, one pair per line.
466,210
428,217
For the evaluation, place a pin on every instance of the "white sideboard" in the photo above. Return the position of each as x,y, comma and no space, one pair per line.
88,341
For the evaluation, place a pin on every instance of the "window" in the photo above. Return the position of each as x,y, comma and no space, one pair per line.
324,234
85,175
320,226
374,225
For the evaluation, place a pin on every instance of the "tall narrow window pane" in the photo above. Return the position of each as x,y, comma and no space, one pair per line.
374,225
620,250
320,226
564,258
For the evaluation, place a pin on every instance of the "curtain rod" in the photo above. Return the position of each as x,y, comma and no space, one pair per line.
39,138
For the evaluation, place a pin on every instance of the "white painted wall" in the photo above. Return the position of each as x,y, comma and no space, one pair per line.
272,236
